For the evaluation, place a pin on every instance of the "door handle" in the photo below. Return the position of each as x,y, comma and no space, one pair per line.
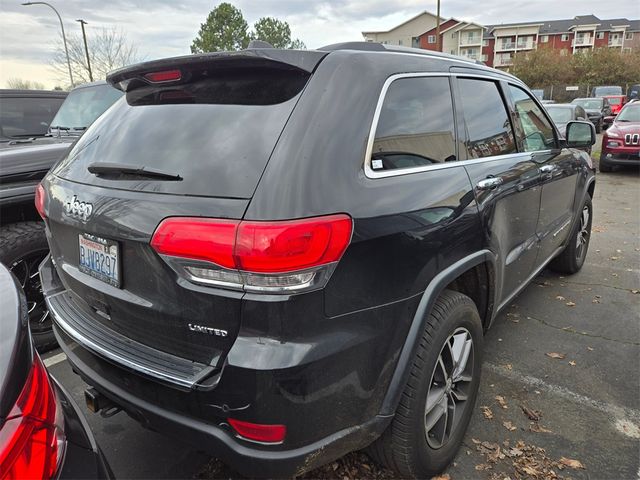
547,169
489,183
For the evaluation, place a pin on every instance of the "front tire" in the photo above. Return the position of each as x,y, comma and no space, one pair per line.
23,246
604,167
438,399
572,258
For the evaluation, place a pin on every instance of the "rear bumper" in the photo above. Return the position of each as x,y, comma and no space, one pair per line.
258,461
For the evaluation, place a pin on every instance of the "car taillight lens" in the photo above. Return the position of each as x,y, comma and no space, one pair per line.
32,438
39,201
258,432
163,76
279,256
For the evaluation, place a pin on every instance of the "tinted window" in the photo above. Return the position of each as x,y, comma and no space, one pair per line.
24,117
416,126
191,130
532,127
590,103
486,119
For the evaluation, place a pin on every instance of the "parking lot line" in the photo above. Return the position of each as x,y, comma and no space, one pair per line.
60,357
621,415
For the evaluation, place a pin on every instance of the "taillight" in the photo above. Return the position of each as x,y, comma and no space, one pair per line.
279,256
163,76
258,432
39,201
32,438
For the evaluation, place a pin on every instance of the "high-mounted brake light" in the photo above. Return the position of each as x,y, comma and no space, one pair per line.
258,432
32,438
39,201
278,256
164,76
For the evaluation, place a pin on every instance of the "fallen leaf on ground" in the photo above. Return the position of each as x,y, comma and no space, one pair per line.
560,297
572,363
614,258
444,476
486,411
555,355
508,366
532,414
635,292
500,399
509,426
590,349
537,428
483,466
570,304
569,462
530,471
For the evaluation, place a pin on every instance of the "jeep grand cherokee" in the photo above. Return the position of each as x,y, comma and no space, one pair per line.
283,256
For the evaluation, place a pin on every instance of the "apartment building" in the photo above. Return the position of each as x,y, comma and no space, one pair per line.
496,45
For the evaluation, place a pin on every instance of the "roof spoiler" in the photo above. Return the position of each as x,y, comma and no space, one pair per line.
131,77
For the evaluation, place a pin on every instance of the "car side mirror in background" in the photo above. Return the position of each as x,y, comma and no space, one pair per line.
580,134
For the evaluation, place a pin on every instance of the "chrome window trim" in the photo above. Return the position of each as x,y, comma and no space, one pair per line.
368,170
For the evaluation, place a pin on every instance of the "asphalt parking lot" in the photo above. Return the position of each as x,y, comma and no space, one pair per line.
560,374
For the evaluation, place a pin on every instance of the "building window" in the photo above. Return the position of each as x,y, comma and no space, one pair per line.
565,37
628,36
453,52
544,38
431,39
599,35
399,42
485,57
485,43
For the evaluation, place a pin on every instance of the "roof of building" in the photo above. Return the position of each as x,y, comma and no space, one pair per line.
550,27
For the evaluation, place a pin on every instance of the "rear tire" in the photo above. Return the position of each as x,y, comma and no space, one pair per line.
437,402
23,246
572,258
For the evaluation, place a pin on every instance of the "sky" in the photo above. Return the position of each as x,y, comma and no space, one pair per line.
164,28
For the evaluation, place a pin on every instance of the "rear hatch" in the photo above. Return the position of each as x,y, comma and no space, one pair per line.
190,138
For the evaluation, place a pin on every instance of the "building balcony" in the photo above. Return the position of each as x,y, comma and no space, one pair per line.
615,43
582,42
501,47
500,61
525,45
476,40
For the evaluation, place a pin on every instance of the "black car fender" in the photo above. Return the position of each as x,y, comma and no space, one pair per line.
429,297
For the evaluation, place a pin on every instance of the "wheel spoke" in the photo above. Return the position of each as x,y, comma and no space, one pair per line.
451,415
434,397
432,418
443,369
462,347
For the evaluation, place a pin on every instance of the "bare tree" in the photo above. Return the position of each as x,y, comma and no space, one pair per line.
20,84
109,49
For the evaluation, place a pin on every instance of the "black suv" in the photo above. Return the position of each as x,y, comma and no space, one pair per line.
283,256
26,114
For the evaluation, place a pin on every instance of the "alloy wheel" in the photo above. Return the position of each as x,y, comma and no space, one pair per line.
582,239
449,388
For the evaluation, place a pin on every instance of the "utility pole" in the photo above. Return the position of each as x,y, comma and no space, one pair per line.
64,39
438,48
86,49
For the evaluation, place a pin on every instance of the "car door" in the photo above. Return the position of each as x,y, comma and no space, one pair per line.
506,182
558,171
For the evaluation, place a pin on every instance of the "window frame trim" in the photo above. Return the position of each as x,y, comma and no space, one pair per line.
373,174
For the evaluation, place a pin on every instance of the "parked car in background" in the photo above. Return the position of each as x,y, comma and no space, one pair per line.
27,113
22,165
615,102
43,434
603,91
538,92
596,108
226,275
563,113
634,92
621,141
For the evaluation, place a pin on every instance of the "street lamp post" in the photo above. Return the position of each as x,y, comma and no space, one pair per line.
64,39
86,49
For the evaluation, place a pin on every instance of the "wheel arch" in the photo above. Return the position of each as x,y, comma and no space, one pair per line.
461,275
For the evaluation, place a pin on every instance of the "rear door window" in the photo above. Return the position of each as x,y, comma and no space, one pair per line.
532,126
487,123
415,127
214,134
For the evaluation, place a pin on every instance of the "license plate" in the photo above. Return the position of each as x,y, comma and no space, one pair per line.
99,258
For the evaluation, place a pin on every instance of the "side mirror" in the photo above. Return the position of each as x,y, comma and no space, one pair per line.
580,134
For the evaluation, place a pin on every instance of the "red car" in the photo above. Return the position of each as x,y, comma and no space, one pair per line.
621,142
616,102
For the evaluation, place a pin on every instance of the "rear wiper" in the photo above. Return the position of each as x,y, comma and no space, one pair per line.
59,127
106,168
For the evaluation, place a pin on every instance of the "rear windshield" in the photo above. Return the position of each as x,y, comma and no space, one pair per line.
214,134
601,91
591,104
27,116
84,105
560,114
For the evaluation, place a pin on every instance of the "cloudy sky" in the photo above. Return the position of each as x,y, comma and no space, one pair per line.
162,28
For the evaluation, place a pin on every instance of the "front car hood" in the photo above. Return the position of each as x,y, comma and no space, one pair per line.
38,155
625,127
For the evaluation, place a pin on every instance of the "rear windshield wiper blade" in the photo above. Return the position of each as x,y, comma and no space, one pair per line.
105,168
